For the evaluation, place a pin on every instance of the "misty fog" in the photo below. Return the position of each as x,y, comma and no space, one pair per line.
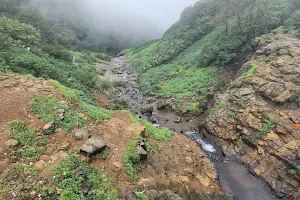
131,21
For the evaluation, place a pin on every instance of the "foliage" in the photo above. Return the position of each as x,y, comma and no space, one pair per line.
231,115
32,145
19,169
46,108
268,126
162,134
209,36
219,106
71,119
26,34
72,95
131,158
3,188
104,154
149,147
74,175
252,71
96,113
159,147
141,196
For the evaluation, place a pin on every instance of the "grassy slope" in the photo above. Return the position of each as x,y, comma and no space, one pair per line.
194,49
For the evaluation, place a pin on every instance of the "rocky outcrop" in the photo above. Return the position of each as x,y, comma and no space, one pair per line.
93,146
255,117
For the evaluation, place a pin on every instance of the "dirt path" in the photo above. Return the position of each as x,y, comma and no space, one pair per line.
234,178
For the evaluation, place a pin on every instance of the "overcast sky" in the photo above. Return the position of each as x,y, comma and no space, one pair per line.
161,12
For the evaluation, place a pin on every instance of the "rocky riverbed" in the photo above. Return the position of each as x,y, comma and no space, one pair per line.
233,175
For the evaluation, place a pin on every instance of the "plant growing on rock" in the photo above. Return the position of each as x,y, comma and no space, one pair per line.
32,145
131,158
46,108
252,71
77,180
141,196
268,126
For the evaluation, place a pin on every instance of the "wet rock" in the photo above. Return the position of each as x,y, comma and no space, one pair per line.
93,146
49,128
161,105
12,143
141,149
81,134
153,120
150,99
141,152
268,95
148,110
178,120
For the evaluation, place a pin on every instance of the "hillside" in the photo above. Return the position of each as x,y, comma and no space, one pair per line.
45,128
256,118
206,46
210,111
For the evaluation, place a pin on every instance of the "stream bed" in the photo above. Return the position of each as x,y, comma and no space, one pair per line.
235,178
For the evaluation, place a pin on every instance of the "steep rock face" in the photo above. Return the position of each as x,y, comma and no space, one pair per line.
257,117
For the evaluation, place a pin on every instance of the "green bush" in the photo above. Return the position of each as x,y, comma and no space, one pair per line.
96,113
162,134
32,145
46,108
71,94
252,71
69,181
141,196
25,33
268,126
131,158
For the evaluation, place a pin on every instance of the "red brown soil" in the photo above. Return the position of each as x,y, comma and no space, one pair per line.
104,102
181,166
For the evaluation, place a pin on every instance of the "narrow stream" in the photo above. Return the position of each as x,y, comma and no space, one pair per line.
234,177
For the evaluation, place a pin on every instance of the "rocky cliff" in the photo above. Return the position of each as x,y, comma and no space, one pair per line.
257,118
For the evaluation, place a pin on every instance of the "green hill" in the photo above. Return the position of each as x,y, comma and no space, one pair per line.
210,37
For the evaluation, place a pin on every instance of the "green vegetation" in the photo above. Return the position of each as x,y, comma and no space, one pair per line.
104,154
46,108
159,147
31,145
72,95
47,193
209,36
3,189
96,113
141,196
149,147
252,71
20,169
162,134
294,171
219,106
77,180
131,158
268,126
231,115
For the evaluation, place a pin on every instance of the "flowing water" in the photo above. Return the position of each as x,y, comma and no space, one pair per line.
234,177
